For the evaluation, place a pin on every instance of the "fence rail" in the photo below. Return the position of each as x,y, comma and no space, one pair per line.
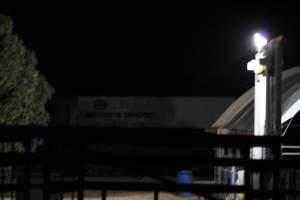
68,151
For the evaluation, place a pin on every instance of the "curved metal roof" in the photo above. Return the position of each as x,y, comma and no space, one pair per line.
239,116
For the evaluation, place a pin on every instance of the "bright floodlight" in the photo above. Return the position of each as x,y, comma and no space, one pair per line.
260,41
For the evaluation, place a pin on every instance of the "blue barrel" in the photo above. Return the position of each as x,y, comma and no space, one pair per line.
232,177
185,177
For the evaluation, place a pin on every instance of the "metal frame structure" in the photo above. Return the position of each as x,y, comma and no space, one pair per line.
66,150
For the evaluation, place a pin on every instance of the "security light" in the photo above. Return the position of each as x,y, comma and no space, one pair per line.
260,41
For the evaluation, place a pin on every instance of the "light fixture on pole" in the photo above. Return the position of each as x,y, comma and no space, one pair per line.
267,67
260,92
260,41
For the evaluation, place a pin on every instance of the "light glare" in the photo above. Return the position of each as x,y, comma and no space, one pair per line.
259,41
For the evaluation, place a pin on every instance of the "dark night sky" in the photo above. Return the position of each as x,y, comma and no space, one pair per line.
151,50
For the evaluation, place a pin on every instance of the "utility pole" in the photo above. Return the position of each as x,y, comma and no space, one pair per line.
267,67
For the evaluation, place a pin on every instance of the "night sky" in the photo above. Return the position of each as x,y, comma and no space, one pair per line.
151,50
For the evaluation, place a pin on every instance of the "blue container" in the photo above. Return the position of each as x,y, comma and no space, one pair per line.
185,177
232,177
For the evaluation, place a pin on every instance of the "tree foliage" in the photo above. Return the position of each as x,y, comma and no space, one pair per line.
24,91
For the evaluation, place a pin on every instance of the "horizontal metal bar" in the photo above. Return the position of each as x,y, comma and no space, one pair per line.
133,186
290,154
143,160
75,133
290,147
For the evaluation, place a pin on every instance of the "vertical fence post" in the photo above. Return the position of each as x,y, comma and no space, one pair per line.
72,194
12,182
80,194
62,183
2,169
276,171
46,169
156,194
80,190
294,182
2,181
81,167
103,194
27,187
46,182
247,179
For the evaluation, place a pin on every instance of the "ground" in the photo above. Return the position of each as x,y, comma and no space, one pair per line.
133,196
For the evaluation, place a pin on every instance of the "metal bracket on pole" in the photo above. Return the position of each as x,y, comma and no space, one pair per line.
267,67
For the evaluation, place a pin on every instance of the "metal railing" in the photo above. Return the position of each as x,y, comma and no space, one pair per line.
67,152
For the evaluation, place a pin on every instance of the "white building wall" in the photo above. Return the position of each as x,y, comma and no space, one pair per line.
168,112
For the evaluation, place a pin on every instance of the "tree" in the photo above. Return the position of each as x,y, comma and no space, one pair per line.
24,91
